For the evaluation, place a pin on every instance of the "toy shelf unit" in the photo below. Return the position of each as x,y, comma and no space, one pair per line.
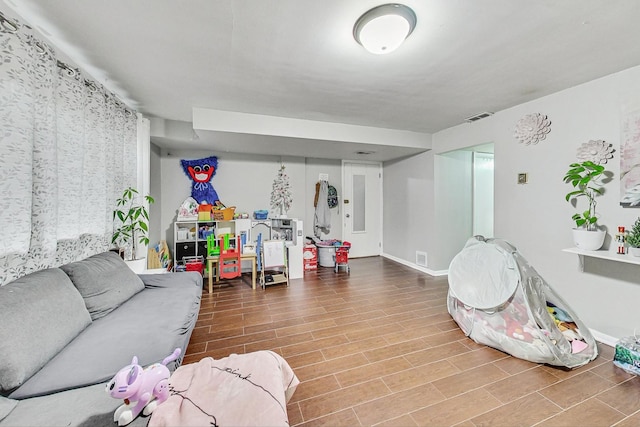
190,237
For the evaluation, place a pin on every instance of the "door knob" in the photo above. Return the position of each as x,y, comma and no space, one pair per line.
348,216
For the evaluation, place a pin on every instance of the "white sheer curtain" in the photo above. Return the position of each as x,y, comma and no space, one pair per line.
67,151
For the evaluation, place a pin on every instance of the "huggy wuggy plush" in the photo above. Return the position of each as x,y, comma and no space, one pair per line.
201,171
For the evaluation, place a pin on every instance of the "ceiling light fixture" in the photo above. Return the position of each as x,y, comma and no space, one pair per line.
383,29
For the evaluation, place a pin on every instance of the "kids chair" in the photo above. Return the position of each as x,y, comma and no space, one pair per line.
229,263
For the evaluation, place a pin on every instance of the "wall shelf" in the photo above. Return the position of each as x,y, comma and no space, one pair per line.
603,254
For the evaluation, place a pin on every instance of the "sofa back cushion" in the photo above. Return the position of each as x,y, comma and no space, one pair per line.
104,281
39,315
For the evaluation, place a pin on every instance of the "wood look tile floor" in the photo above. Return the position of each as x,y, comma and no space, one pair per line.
377,347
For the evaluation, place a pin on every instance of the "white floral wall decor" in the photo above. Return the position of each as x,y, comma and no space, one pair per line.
598,151
532,128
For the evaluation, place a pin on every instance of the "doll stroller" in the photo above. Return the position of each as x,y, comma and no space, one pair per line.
341,257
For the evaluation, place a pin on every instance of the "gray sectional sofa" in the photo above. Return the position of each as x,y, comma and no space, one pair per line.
64,332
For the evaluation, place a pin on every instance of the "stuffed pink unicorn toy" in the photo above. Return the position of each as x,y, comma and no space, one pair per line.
141,389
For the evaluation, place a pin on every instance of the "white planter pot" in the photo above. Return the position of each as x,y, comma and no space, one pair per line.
137,265
588,240
634,251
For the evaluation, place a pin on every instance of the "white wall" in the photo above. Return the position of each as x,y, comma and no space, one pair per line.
408,208
155,191
535,217
454,205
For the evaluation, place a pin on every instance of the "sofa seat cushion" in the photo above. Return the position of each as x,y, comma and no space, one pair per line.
82,407
40,314
104,281
150,325
6,406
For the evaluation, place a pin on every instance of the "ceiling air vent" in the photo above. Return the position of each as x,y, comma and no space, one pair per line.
477,117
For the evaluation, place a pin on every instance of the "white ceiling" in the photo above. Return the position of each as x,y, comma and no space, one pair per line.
297,59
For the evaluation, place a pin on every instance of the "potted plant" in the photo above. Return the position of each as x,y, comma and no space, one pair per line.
132,220
633,238
586,179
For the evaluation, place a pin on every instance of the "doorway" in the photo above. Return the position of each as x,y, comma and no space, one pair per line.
362,208
465,196
482,206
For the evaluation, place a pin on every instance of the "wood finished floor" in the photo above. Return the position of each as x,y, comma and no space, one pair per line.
377,347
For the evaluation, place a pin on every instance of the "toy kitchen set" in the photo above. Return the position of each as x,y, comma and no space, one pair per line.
288,229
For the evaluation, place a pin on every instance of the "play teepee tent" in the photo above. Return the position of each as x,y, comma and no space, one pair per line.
499,300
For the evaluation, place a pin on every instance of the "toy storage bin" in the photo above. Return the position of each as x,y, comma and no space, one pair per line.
260,214
325,256
225,214
195,263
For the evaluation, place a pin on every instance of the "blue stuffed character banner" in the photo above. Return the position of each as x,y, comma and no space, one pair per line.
201,171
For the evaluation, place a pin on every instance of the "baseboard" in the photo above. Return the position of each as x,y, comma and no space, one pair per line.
416,267
604,338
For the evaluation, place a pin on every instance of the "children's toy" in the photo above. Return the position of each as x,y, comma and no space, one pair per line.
194,263
341,257
212,245
498,299
204,212
260,214
188,210
620,239
229,261
201,171
141,389
627,355
273,263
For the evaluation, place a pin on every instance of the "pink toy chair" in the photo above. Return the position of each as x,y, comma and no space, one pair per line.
229,263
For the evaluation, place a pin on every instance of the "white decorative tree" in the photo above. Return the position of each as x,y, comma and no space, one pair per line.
281,192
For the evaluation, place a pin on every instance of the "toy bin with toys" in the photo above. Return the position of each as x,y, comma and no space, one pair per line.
498,299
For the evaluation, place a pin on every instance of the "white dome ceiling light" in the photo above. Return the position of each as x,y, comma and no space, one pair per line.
382,29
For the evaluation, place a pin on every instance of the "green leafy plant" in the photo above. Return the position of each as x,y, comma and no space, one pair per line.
633,238
586,178
132,219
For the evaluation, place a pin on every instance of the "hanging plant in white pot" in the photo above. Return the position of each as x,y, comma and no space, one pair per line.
587,178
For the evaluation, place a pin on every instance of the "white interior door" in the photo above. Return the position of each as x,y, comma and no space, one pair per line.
362,208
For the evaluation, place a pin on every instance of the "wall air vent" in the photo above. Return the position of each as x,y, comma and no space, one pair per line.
478,117
421,258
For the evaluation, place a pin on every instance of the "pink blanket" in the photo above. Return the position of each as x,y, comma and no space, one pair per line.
239,390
